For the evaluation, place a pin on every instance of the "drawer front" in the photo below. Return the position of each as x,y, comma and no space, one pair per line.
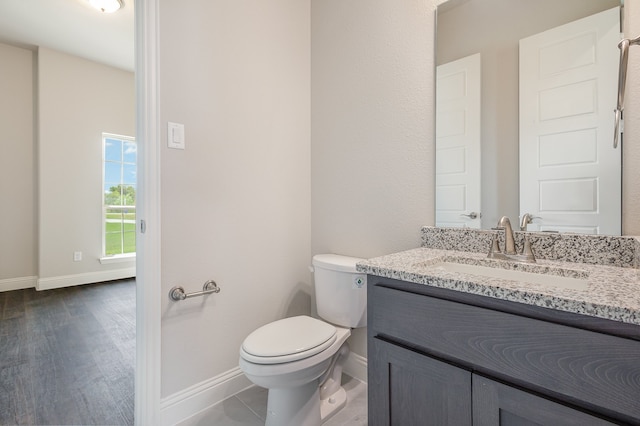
598,372
498,404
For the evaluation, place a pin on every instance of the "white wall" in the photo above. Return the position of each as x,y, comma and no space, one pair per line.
18,261
236,202
372,114
77,100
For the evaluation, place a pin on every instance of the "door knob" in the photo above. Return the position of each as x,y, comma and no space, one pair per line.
472,215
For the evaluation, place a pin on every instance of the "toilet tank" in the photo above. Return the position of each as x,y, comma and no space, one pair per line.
341,291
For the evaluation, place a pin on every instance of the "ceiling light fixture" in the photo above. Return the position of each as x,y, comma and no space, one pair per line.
107,6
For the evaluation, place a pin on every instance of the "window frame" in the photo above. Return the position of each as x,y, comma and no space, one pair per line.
120,257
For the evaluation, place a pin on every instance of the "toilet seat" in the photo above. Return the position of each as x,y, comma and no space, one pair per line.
288,340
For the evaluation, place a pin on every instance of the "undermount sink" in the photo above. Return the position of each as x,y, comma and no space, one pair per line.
569,279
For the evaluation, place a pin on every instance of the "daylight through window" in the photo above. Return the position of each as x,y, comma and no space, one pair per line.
119,195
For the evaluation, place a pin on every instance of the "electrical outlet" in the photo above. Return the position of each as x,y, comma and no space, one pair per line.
77,256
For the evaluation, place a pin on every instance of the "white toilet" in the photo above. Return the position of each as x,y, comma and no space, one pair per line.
299,359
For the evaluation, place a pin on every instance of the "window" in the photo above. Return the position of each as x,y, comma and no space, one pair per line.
119,195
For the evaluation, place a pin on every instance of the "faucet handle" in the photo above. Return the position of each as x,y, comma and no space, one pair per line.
494,249
527,251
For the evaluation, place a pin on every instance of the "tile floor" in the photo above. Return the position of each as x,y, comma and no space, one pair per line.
249,408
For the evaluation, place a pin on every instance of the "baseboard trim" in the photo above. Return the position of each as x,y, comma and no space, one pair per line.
18,283
85,278
190,401
356,367
184,404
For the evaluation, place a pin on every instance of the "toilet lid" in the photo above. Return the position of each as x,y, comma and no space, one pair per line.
288,339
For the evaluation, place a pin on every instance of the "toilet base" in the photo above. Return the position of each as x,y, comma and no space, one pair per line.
302,406
295,406
330,406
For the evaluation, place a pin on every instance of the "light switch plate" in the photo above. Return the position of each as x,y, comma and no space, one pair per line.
175,135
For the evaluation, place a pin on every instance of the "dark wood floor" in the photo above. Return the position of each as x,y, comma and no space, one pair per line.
67,356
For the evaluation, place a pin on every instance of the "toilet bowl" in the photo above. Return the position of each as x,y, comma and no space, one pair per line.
294,386
299,359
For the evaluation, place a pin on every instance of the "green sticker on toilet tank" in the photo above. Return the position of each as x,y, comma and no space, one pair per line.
359,281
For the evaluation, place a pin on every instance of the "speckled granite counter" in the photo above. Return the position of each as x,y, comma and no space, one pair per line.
593,249
612,292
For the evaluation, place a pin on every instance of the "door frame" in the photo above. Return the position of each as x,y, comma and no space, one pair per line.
148,272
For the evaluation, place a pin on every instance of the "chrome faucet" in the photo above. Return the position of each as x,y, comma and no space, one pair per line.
509,252
509,242
527,218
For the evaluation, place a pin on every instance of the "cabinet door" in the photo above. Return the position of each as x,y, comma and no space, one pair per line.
407,389
498,404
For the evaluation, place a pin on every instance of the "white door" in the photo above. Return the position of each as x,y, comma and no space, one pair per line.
458,143
570,175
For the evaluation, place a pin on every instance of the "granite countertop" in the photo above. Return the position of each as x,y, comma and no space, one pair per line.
611,292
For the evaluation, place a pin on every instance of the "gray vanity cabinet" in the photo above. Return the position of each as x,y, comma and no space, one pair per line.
495,403
442,357
413,389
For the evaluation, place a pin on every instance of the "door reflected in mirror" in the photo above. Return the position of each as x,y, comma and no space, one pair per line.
545,114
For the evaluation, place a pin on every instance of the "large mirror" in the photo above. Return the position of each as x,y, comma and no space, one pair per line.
524,114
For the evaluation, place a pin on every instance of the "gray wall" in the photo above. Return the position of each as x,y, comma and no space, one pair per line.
372,183
266,187
18,253
236,201
51,167
631,153
77,101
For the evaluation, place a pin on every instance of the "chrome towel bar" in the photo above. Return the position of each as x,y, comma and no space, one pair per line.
177,293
